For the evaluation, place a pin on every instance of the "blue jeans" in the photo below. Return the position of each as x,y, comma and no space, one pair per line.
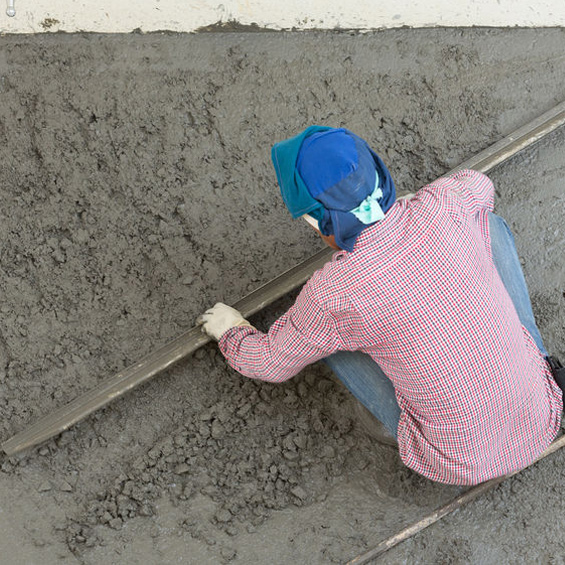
365,379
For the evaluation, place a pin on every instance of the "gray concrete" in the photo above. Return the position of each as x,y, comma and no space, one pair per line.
137,190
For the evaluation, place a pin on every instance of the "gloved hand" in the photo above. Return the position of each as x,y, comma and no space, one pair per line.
218,320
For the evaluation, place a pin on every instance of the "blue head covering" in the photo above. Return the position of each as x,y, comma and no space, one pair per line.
334,176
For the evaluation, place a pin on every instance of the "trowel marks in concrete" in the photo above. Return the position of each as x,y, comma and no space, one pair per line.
137,190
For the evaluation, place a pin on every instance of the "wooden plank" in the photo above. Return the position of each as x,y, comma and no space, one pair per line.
156,362
520,139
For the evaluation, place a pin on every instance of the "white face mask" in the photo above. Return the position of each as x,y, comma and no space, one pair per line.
311,221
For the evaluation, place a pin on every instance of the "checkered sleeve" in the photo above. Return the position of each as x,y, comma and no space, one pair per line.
306,333
475,189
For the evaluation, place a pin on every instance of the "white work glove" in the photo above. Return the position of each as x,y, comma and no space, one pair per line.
218,320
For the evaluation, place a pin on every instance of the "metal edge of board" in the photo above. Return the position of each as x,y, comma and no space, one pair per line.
439,513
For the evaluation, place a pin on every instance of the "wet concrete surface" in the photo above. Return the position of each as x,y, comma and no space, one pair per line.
137,190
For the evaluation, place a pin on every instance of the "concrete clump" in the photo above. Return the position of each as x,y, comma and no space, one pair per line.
255,465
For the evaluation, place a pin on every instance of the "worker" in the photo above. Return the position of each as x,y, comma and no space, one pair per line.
423,312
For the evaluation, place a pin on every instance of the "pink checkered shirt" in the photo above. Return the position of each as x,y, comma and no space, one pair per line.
421,295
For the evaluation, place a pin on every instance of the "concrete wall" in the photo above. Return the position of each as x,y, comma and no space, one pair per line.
189,15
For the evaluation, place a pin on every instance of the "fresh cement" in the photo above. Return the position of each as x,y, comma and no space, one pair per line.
137,190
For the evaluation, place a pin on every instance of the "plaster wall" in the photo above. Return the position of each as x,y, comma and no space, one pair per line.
35,16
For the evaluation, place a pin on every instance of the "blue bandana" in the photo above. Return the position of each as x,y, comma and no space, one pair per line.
334,176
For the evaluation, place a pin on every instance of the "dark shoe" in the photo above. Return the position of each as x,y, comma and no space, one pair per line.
558,372
373,427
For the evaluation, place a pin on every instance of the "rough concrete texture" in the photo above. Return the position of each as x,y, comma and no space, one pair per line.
137,190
